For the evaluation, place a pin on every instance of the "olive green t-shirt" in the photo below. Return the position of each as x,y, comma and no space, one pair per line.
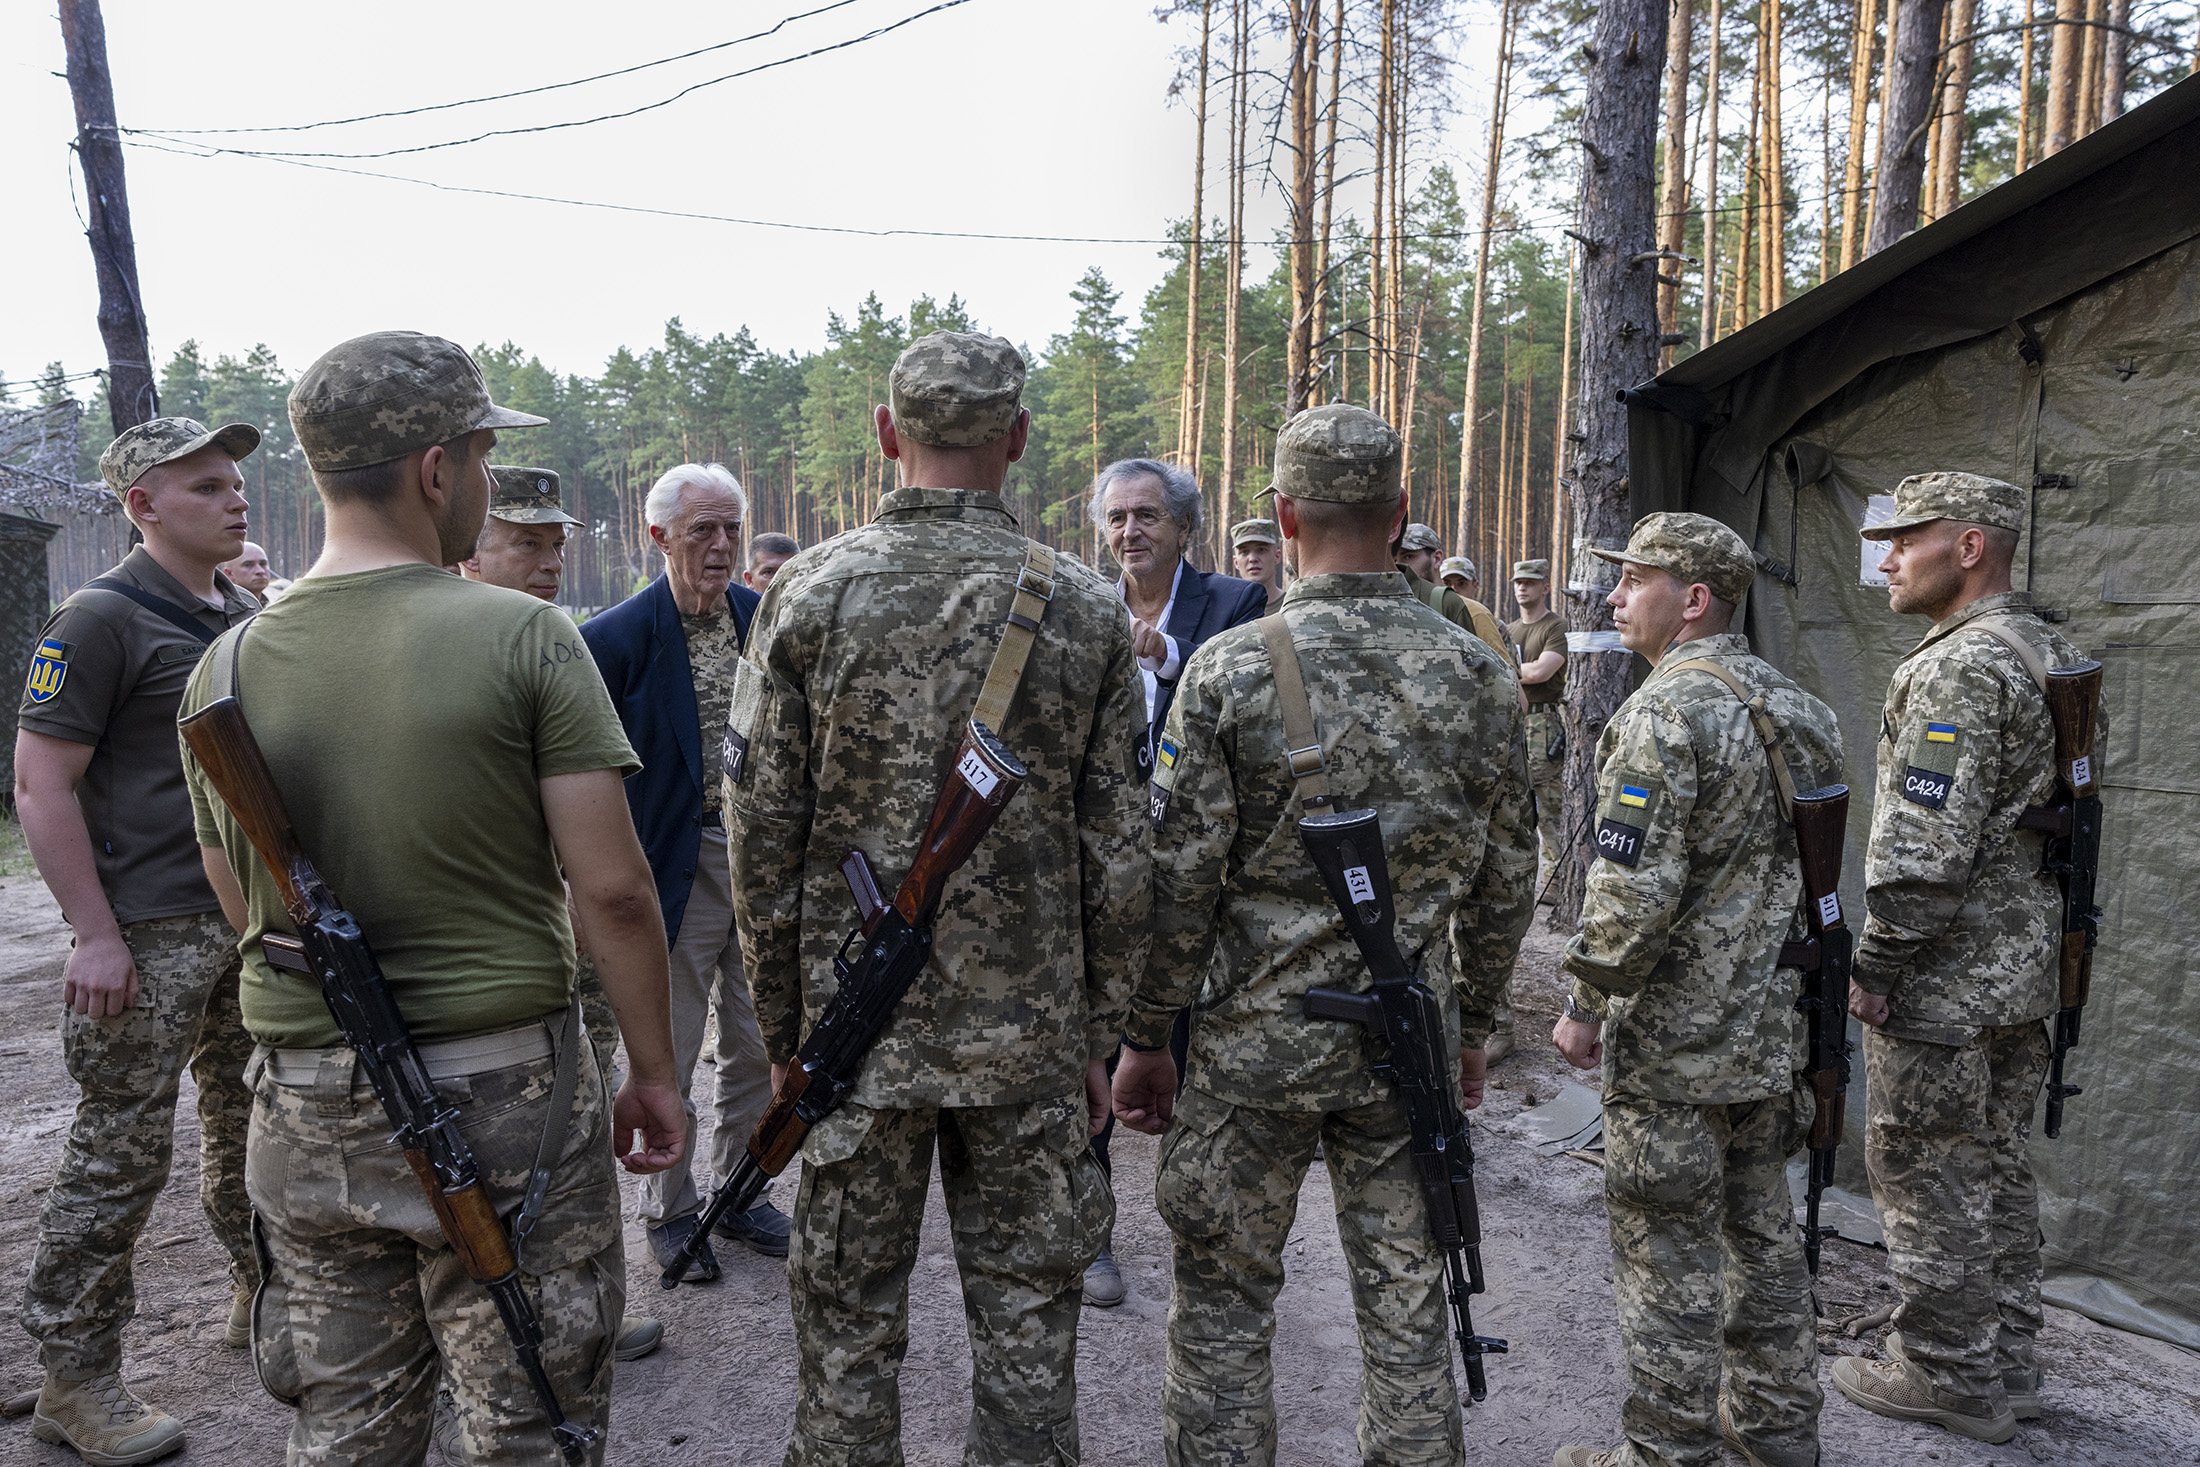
1547,633
408,717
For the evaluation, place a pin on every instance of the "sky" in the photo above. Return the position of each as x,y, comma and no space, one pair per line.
1021,117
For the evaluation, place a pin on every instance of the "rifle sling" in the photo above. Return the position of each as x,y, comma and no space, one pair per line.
566,1032
1302,743
168,611
1034,589
1761,719
2053,816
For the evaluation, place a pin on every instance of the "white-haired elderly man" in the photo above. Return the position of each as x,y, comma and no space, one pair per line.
667,654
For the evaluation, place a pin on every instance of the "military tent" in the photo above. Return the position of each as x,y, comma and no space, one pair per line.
2046,333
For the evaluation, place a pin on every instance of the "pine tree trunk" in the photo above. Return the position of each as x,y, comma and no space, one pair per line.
1710,322
2025,130
1955,98
1378,327
1300,79
132,397
2116,63
1234,275
1558,441
1774,294
1618,350
1860,96
1187,444
1470,417
2062,77
1329,193
1908,100
1394,275
2089,69
1673,187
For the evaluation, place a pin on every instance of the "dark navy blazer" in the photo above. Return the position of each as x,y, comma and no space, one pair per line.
1207,602
641,651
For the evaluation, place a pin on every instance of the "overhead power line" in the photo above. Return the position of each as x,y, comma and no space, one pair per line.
504,132
579,81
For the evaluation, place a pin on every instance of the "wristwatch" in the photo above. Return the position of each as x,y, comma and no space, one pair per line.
1579,1014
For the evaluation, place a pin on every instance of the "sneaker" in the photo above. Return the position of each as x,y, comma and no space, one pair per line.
638,1335
1890,1388
106,1423
2021,1386
1588,1457
1104,1281
237,1334
763,1227
666,1239
1496,1047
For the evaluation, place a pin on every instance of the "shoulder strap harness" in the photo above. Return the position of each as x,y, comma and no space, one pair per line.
1034,589
1302,742
1761,719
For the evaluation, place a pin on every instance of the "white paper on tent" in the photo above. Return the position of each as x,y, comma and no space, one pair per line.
1877,511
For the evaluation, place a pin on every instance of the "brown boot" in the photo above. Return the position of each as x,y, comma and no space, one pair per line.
1891,1388
2021,1386
108,1426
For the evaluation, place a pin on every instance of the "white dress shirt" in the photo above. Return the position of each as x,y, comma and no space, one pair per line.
1154,671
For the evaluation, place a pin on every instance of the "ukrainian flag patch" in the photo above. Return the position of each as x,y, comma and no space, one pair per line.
1940,733
1167,754
49,669
1634,796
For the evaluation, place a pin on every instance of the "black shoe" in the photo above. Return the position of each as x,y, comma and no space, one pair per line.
668,1238
763,1227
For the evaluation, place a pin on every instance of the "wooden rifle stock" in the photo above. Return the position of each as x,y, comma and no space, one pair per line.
2073,703
222,742
984,776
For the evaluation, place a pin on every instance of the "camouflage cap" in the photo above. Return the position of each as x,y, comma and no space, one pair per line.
527,497
956,389
164,440
1458,565
1972,498
1253,532
1340,453
1691,548
1420,537
381,396
1531,570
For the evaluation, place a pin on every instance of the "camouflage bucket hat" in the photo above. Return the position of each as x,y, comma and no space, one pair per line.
527,496
1691,548
1972,498
379,397
1340,453
164,440
1255,532
956,389
1420,537
1458,565
1531,570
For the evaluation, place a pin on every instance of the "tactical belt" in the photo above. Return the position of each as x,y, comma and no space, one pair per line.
1034,589
1302,742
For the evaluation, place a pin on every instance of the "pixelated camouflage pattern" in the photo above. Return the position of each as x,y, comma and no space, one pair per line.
1248,532
1678,950
1337,452
1923,498
1227,1184
714,655
524,496
366,1306
81,1290
163,440
1531,570
1546,774
957,389
1420,537
1419,720
1028,1209
389,393
1962,926
1692,548
1458,565
862,670
1947,1131
1708,1273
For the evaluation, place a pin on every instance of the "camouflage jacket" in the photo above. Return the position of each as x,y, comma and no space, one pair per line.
1418,719
1961,924
1696,881
863,666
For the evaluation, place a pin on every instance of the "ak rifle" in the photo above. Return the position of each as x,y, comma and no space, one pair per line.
2072,823
1826,957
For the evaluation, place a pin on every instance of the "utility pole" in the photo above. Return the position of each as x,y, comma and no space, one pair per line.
131,395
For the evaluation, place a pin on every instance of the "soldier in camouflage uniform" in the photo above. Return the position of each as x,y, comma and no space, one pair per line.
865,662
1957,967
1420,720
151,982
1675,988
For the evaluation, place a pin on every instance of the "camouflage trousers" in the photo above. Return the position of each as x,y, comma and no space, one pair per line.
365,1307
1946,1131
1708,1273
1028,1209
1227,1185
1546,775
81,1291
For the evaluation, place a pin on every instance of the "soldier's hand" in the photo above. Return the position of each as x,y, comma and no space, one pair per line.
648,1127
1870,1007
1147,641
1581,1044
101,979
1472,1069
1145,1089
1097,1099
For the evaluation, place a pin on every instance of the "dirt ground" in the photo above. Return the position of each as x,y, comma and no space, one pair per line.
721,1389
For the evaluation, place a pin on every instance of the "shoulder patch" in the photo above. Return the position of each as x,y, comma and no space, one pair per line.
1623,819
49,669
1168,757
748,700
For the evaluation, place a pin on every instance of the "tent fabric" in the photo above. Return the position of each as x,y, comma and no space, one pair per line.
2052,339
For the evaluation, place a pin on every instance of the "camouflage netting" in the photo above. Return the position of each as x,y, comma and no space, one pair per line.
2044,334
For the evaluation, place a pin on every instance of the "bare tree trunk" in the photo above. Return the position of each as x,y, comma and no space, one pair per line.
1886,86
2024,95
1618,350
2117,60
2089,69
1710,322
1329,194
1300,79
2062,77
1394,275
1673,184
131,396
1825,195
1470,416
1776,258
1378,326
1407,400
1748,260
1860,99
1187,444
1558,440
1234,274
1911,67
1948,184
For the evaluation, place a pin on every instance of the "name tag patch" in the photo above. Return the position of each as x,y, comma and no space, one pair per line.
1927,787
733,755
1157,804
1619,842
